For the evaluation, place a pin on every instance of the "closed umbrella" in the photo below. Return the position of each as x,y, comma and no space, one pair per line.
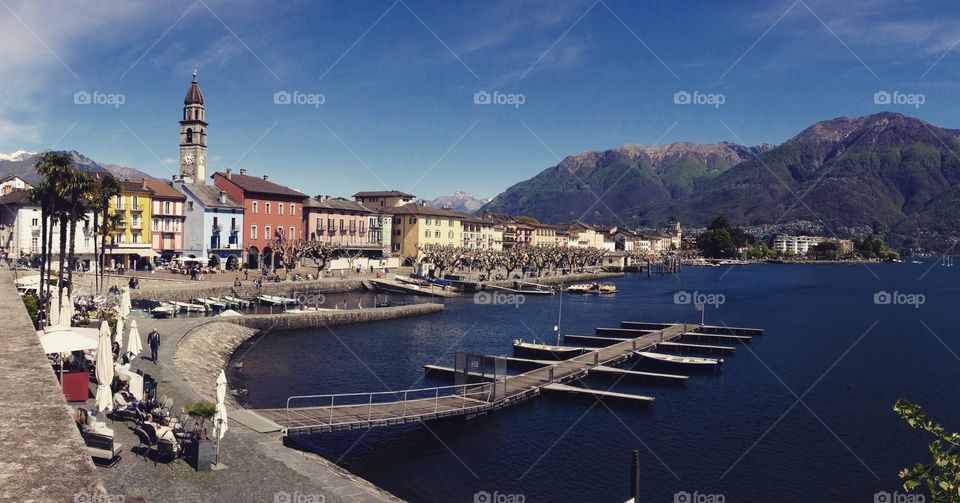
134,347
104,370
125,303
220,419
118,337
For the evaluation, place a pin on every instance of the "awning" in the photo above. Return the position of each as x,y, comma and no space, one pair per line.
61,339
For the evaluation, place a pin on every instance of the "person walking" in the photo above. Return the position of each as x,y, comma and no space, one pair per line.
153,340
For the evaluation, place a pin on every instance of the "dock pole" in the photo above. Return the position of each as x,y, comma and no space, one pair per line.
635,477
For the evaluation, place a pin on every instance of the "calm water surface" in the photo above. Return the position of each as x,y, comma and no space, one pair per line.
740,432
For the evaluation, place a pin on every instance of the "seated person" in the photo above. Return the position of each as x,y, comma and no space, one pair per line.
163,431
125,400
82,420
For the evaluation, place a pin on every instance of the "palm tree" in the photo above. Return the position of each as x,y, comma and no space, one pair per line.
78,187
40,196
53,167
109,188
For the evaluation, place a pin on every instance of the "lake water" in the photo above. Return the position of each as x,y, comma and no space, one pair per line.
739,432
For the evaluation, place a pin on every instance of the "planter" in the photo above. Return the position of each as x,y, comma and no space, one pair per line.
203,455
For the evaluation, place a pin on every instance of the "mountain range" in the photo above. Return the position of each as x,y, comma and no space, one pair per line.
888,172
459,201
21,163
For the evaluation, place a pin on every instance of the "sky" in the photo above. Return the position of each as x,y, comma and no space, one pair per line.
432,97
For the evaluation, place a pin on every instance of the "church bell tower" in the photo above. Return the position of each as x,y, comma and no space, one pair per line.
193,136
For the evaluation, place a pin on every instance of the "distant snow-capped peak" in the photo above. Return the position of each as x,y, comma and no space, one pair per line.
19,155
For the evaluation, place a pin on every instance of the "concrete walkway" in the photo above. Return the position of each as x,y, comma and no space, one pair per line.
261,468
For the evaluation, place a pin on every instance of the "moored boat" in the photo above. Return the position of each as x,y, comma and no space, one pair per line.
540,351
682,360
583,288
607,288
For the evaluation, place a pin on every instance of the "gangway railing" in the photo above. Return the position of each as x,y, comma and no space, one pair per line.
399,405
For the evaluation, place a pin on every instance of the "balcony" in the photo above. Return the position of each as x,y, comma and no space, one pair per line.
217,228
135,209
234,230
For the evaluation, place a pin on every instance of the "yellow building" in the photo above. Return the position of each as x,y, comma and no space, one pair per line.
481,234
544,235
420,225
130,246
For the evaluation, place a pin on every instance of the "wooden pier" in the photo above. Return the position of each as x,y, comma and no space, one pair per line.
334,412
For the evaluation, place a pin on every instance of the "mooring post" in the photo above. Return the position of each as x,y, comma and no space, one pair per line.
596,358
550,374
635,477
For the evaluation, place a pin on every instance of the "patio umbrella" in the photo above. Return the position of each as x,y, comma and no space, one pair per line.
125,303
65,340
118,337
104,370
220,419
61,313
134,347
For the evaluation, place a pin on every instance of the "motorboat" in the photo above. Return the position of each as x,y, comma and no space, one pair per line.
583,288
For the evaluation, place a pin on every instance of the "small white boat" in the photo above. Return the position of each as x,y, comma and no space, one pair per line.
538,350
277,300
237,301
163,311
583,288
191,308
681,360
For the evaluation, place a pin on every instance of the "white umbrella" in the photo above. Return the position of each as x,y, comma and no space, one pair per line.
104,369
118,337
220,418
125,303
63,339
134,346
60,314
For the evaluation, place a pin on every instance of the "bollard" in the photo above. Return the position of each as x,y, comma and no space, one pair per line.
635,477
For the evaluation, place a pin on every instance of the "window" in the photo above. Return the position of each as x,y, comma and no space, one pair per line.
450,235
293,209
256,206
166,207
437,234
280,208
35,242
35,222
451,222
413,220
330,225
266,208
118,203
134,202
319,225
341,225
353,226
426,234
426,221
189,205
266,231
293,233
253,230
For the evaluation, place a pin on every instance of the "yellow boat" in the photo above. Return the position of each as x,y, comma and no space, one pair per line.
607,288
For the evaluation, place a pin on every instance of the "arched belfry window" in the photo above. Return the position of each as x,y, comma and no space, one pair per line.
189,135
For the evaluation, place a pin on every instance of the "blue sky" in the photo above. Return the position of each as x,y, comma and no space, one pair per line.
399,79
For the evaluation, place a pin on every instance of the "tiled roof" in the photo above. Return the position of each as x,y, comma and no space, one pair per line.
16,198
335,203
194,96
420,209
162,190
135,186
259,185
383,193
209,196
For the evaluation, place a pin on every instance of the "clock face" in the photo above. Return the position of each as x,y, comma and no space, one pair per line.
188,158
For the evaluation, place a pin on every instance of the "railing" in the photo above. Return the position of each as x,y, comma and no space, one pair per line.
474,392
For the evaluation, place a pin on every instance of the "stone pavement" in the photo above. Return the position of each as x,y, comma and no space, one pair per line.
260,467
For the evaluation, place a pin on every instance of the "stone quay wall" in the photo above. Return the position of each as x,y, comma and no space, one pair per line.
187,292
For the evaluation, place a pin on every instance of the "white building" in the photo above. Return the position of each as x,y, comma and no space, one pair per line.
20,229
11,183
798,245
212,224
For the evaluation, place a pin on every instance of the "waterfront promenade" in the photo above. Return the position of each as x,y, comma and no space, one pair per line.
42,456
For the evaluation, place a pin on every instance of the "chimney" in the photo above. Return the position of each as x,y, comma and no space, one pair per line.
143,184
266,178
229,173
174,177
243,171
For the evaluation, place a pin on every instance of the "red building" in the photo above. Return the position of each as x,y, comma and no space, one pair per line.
271,212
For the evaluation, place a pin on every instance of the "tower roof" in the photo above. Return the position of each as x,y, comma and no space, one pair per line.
194,95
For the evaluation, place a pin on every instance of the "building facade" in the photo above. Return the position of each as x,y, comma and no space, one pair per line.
417,226
193,136
130,244
271,212
339,221
167,219
20,230
213,225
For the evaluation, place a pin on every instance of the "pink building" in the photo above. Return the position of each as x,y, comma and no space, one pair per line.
337,220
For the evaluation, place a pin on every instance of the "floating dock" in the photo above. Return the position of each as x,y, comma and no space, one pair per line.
564,388
706,348
615,371
746,339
